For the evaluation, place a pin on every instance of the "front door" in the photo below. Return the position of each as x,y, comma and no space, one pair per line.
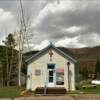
51,76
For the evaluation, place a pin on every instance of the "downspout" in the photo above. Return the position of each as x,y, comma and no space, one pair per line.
45,86
31,81
45,89
68,64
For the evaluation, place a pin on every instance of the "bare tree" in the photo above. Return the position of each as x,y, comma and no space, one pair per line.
22,38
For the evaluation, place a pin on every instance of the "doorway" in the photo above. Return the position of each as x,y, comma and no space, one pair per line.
51,75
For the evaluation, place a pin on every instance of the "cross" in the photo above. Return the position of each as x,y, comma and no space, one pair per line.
50,53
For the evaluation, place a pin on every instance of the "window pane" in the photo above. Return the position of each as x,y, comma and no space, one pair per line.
60,78
50,73
51,66
50,79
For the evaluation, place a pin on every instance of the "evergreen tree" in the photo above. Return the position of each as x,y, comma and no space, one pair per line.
97,68
9,72
10,41
84,73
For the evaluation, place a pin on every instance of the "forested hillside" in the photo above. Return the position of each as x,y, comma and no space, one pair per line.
92,53
8,66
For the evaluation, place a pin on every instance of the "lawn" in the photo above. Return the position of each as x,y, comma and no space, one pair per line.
12,92
9,92
87,90
91,90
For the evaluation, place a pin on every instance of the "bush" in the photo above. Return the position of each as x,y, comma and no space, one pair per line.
78,86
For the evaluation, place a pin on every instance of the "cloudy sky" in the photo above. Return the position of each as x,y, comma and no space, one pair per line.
68,23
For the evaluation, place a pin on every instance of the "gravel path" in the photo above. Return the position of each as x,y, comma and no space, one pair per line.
66,97
46,98
88,97
5,99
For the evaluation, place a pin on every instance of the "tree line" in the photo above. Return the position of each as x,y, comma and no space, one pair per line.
9,62
86,73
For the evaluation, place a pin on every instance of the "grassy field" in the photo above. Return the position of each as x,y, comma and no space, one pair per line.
9,92
91,90
87,91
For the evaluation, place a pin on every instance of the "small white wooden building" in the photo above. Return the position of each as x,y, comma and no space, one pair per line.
51,67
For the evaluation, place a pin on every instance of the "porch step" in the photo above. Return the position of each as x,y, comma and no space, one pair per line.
51,90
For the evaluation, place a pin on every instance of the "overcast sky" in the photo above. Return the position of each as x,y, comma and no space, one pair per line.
68,23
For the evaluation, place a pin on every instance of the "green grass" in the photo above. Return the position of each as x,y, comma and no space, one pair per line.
91,90
87,91
12,92
9,92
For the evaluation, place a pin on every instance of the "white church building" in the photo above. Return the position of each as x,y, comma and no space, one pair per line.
51,67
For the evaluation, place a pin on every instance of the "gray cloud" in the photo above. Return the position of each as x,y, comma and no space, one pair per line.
88,18
53,21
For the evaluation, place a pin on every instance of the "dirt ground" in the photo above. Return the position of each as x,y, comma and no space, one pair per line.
87,97
46,98
66,97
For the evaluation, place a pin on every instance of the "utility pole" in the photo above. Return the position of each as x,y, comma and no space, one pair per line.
19,61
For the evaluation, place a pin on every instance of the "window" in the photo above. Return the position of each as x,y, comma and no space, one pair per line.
51,75
37,72
59,76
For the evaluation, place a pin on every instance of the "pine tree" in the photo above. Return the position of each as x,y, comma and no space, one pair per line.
11,61
97,68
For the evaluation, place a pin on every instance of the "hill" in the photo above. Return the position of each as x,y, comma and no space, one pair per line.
88,53
86,57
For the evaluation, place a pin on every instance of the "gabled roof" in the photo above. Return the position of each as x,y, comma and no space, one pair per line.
29,54
59,50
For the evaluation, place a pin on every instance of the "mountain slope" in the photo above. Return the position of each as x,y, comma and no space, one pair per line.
92,53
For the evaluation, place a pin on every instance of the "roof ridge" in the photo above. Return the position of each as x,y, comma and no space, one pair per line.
54,47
